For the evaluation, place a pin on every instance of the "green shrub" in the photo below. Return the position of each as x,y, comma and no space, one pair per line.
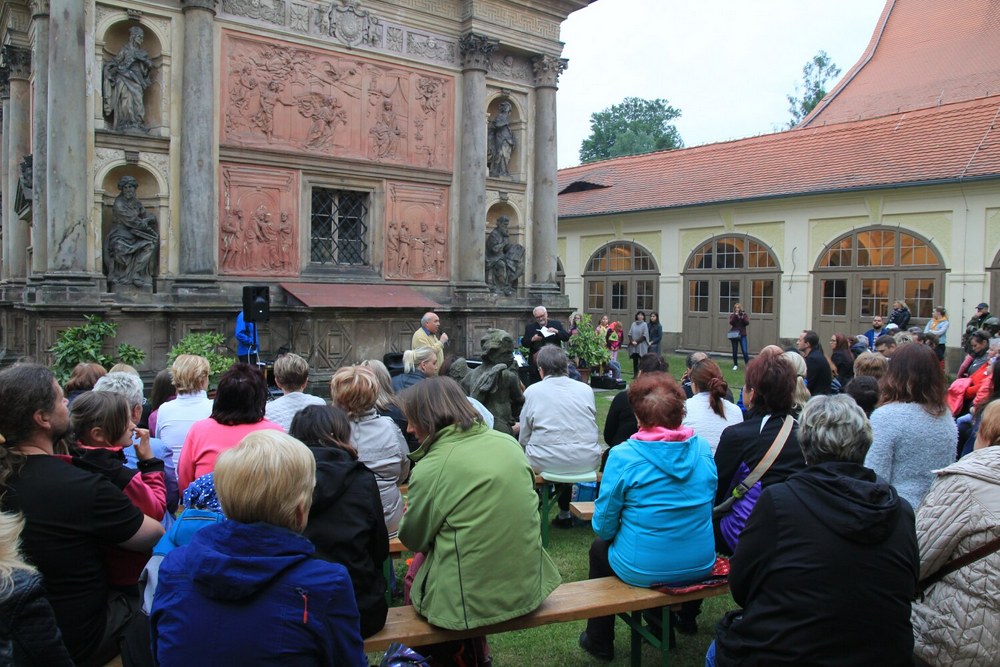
208,345
85,343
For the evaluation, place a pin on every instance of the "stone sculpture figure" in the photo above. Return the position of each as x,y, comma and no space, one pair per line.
501,142
232,232
126,78
440,243
386,132
426,248
392,248
405,240
504,260
495,383
134,239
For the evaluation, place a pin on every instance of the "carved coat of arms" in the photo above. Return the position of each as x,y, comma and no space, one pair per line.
350,24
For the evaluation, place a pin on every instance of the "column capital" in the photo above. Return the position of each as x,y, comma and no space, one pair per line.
17,61
476,50
210,5
547,70
39,8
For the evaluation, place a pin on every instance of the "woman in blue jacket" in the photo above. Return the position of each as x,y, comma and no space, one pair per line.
653,517
249,591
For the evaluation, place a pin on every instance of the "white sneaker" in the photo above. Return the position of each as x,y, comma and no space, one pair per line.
736,368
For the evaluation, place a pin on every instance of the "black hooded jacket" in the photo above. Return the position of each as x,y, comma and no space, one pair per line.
347,527
824,570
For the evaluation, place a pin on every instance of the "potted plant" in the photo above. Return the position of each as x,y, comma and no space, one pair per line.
588,348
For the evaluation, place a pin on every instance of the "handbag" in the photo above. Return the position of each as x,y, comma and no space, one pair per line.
734,511
733,335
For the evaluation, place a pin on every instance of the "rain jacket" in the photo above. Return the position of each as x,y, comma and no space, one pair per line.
655,507
473,510
825,570
957,621
252,594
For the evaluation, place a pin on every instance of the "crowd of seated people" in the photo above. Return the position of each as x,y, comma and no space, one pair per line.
870,514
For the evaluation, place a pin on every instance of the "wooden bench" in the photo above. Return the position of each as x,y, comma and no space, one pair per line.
546,504
582,510
574,601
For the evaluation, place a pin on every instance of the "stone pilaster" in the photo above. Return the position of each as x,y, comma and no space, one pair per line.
545,209
8,196
39,138
476,50
17,61
198,176
67,196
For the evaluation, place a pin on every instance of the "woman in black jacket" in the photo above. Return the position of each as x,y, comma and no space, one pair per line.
900,315
345,521
842,358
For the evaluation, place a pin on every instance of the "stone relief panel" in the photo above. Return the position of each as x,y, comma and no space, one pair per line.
258,221
304,100
508,66
416,232
268,11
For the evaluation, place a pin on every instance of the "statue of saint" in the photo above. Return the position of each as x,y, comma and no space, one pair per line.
501,141
495,383
133,242
504,260
126,78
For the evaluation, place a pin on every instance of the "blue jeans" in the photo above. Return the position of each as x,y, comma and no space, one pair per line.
740,342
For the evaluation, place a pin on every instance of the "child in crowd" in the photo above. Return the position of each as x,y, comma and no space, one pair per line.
103,426
614,338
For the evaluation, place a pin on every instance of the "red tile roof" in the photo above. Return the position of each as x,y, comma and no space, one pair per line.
923,53
952,142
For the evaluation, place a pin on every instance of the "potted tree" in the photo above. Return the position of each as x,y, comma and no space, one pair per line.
589,350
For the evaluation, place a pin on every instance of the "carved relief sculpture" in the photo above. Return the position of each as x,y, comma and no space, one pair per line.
440,244
351,25
416,238
126,78
133,242
501,141
386,133
504,260
257,234
392,249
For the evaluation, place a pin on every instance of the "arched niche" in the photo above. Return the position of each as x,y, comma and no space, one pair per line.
114,38
150,192
517,125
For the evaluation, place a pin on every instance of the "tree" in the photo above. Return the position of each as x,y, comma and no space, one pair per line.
632,127
816,74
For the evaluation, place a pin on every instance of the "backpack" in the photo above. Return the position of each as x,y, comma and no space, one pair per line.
189,522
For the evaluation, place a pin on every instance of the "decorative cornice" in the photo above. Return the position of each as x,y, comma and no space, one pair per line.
17,61
547,70
39,8
476,50
210,5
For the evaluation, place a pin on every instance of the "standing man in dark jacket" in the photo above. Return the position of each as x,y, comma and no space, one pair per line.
539,333
828,554
819,377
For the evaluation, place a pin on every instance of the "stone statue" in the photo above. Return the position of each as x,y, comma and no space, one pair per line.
126,78
495,383
133,242
501,141
504,260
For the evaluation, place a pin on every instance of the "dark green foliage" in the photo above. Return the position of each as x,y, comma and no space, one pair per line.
208,345
85,343
816,74
632,127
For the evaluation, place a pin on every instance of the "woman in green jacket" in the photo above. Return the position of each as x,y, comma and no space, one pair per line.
473,511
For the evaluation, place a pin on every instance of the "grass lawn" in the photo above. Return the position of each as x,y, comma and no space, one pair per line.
557,644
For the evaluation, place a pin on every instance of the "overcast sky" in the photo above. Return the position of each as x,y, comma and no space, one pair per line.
726,64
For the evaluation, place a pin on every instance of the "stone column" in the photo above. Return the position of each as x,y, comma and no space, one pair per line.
18,62
39,136
7,196
545,208
198,173
67,194
476,50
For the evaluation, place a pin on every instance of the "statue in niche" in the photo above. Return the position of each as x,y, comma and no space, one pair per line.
392,248
126,78
325,111
440,242
133,241
386,133
495,383
501,141
504,260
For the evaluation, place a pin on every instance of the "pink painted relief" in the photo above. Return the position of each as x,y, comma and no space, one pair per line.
416,232
259,227
293,98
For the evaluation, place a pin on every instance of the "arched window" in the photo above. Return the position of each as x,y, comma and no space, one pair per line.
861,273
721,273
560,276
620,278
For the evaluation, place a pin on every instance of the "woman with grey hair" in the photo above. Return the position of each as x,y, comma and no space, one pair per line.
829,553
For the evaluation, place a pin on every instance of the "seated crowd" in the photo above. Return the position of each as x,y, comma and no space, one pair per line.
857,497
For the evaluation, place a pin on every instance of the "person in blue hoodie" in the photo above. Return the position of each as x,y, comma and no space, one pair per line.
653,517
249,591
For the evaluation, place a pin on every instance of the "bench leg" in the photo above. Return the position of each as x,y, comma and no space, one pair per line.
386,571
636,649
546,508
634,621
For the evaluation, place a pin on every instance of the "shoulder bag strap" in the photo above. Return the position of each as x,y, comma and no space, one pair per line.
958,563
765,463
